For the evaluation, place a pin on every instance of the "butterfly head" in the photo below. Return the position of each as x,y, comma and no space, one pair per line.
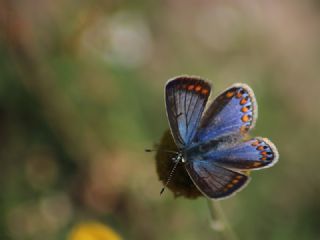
179,158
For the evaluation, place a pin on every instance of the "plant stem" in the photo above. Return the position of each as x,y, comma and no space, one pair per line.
219,222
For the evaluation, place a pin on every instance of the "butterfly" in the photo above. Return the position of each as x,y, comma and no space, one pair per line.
212,143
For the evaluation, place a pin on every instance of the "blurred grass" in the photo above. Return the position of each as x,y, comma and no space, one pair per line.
81,96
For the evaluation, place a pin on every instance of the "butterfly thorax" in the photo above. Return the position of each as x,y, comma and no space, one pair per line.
196,151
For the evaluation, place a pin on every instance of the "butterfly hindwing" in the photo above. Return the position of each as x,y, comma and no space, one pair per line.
233,112
215,181
186,98
254,154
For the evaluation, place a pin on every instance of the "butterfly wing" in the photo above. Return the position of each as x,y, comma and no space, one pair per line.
186,98
215,181
233,112
254,154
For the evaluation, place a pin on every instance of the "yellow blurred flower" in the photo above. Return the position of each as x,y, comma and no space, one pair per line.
93,231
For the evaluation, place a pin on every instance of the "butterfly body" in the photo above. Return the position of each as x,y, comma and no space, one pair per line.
211,143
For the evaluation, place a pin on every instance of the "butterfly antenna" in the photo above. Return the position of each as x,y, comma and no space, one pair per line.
160,150
170,175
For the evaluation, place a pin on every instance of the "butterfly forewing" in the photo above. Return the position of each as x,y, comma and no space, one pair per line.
215,181
186,98
233,112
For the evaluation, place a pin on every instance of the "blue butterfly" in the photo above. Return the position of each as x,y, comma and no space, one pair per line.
211,144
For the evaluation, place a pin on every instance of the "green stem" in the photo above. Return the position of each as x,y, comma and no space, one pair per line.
219,222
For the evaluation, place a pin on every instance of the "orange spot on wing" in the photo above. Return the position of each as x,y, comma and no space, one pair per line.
264,153
264,158
256,143
238,95
256,164
260,148
244,109
235,181
245,118
239,177
198,88
243,101
229,94
190,87
229,185
205,91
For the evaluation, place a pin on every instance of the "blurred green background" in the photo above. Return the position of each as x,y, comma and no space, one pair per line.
81,96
